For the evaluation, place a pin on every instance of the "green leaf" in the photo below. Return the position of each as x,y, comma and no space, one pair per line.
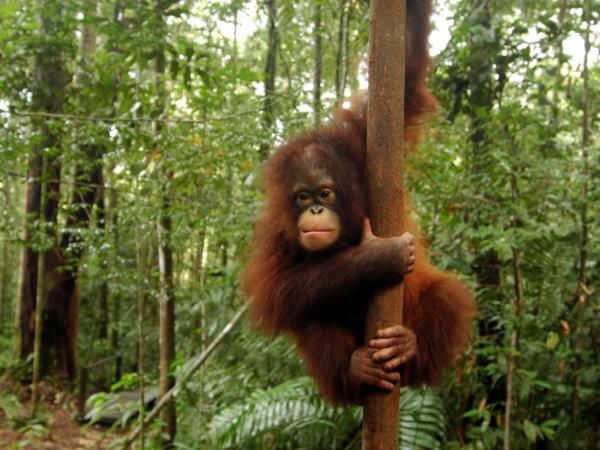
530,430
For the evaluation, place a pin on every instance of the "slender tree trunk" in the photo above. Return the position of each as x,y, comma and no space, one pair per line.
6,257
142,260
106,221
387,36
514,345
318,63
583,291
487,263
49,87
517,308
203,266
165,261
103,290
196,277
270,73
167,316
346,48
558,50
28,264
40,303
112,226
339,56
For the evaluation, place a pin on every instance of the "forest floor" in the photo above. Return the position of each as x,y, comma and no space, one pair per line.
56,426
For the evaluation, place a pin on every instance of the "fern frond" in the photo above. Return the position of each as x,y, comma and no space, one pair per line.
293,415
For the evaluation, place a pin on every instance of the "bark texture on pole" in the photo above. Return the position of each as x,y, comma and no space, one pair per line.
385,143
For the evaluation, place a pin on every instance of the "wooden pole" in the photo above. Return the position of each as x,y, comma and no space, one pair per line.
385,143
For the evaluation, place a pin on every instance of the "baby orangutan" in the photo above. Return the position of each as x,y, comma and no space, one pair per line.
316,263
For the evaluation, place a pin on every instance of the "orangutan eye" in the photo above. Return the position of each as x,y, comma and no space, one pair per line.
327,194
303,199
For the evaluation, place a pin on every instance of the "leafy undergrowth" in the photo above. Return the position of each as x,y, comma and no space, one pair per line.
54,427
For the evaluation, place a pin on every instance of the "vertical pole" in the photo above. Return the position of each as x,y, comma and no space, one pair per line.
385,141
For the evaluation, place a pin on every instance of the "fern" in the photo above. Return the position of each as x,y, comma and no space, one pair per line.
293,415
422,420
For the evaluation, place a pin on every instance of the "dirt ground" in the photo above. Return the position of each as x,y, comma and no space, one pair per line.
58,428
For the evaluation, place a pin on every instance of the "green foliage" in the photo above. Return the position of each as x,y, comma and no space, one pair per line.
501,173
10,405
292,412
422,420
17,417
293,415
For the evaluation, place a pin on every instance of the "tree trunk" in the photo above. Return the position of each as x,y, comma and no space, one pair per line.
318,64
112,227
517,312
24,332
386,194
270,72
165,259
48,89
558,50
582,289
88,179
103,293
340,54
6,255
167,317
40,296
487,263
346,49
142,280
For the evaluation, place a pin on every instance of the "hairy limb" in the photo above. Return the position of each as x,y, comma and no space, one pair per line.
327,350
339,366
404,245
441,328
306,290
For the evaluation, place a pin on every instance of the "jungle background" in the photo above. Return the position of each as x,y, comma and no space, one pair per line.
131,138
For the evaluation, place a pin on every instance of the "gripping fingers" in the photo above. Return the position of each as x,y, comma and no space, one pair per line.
382,374
380,378
383,343
411,264
409,240
388,353
393,332
398,360
377,382
393,346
